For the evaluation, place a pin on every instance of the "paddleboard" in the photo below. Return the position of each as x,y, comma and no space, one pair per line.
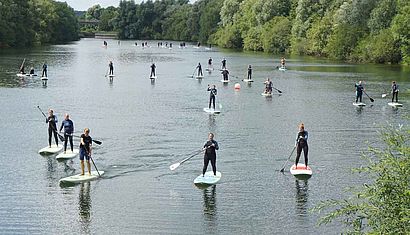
195,47
52,150
153,77
67,155
301,171
44,78
282,69
76,179
199,77
394,104
225,81
111,75
26,75
266,94
247,80
211,110
209,70
359,104
208,178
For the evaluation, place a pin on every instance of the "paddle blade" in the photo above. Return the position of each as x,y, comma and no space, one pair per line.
384,95
279,91
61,137
97,142
220,106
371,99
174,166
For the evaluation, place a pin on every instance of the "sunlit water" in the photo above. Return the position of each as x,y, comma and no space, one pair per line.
146,126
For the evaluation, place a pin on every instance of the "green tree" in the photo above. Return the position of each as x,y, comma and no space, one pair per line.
401,29
342,42
276,35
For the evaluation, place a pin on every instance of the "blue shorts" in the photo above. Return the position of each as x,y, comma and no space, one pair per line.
84,154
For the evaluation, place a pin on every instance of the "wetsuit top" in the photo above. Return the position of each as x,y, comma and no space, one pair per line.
223,62
394,88
111,65
269,84
52,122
68,126
153,67
31,71
87,141
213,91
302,138
210,150
44,66
210,61
249,70
359,88
225,72
199,67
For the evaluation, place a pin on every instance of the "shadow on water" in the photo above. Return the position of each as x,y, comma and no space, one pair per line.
302,188
84,206
210,210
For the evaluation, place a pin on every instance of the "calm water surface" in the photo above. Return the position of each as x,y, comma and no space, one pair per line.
147,126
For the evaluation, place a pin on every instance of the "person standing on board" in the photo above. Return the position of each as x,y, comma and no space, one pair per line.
85,150
395,91
301,144
268,86
359,91
44,73
31,71
212,95
52,126
68,131
224,63
153,70
210,148
282,62
249,72
111,65
199,67
225,74
210,63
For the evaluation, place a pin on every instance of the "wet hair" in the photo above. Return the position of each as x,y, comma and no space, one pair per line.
302,126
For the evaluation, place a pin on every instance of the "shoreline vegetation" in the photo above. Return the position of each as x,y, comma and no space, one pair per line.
371,31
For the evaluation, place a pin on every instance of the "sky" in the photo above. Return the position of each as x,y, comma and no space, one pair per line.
83,5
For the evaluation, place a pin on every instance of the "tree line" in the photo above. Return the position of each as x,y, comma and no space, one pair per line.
25,23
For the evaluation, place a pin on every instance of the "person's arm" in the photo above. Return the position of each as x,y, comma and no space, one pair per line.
72,127
297,140
215,92
62,124
306,136
216,145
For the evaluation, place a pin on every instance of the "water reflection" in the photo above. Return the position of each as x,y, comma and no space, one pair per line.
84,206
152,82
301,197
209,195
211,123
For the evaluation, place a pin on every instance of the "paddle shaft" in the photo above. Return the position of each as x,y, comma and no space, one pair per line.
95,141
277,89
371,99
193,155
95,166
59,135
293,150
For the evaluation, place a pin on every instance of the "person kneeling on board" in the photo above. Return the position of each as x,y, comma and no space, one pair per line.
68,131
85,150
52,126
199,67
301,143
212,95
210,154
359,91
395,91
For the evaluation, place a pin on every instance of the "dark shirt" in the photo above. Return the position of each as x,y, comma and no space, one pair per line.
68,126
302,138
111,65
210,61
213,91
210,150
249,70
394,88
44,66
153,67
52,122
359,88
87,142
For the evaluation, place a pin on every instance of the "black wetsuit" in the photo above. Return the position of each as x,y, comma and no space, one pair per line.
213,93
153,70
31,71
359,92
223,64
44,74
199,67
268,87
52,128
225,74
68,133
210,155
249,73
209,62
395,92
301,144
111,68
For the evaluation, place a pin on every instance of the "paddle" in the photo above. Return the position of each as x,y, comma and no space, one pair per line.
21,66
176,165
58,134
95,166
384,95
371,99
277,89
193,73
95,141
283,168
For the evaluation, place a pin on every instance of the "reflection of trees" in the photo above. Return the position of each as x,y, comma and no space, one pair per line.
84,206
301,197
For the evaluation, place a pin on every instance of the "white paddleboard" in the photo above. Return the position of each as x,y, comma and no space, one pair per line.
359,104
394,104
209,178
26,75
282,69
225,81
153,77
44,78
67,155
211,110
266,94
301,171
52,150
75,179
199,77
247,80
111,75
195,47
